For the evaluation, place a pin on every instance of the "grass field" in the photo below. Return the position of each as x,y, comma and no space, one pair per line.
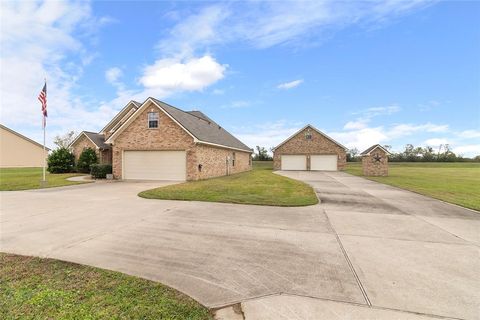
457,183
34,288
29,178
259,186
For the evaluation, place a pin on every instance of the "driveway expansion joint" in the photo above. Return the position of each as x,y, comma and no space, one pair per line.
350,265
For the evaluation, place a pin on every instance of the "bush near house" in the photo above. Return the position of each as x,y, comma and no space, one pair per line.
61,161
100,171
86,159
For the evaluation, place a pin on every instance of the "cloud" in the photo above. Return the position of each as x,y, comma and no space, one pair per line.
218,92
290,85
268,134
237,104
377,111
46,39
467,150
271,23
405,129
170,75
113,75
469,134
435,142
355,125
361,138
432,104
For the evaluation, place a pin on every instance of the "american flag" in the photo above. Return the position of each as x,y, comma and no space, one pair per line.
43,99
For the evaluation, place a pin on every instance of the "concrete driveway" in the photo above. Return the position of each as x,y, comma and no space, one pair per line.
368,251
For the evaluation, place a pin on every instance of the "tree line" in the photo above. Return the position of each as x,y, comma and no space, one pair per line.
412,153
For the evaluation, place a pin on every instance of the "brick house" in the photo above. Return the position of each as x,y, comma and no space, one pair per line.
375,161
156,141
309,149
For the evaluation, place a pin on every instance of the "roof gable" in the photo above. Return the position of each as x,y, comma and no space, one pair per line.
201,128
97,139
120,115
372,148
316,130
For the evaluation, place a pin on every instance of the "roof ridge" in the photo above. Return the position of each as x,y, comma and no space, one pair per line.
187,112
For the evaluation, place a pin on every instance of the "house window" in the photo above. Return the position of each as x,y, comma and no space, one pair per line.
308,135
233,159
152,120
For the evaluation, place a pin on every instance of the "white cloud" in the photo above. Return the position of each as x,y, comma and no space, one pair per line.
377,111
218,92
271,23
45,39
401,130
469,134
266,135
361,138
435,142
170,75
290,85
469,150
237,104
355,125
113,75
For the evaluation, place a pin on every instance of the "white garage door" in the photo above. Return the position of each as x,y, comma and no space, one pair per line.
323,162
294,162
155,165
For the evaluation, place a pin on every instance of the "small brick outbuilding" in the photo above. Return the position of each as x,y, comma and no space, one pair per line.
309,149
375,161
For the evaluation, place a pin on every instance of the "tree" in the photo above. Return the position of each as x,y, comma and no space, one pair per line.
352,155
65,140
60,161
87,158
262,155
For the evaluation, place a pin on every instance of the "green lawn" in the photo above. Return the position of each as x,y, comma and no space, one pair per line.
457,183
259,186
29,178
34,288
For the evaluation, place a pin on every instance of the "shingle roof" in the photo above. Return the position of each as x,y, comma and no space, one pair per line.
367,152
202,127
98,139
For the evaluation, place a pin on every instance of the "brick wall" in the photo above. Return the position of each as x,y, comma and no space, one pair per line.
168,136
317,145
372,167
214,161
82,143
106,156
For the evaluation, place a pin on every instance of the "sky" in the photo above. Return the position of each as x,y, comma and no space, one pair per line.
388,72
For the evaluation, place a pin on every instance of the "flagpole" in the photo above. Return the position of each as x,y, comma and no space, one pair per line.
44,156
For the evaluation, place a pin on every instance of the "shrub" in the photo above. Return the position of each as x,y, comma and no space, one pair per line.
100,171
61,161
86,159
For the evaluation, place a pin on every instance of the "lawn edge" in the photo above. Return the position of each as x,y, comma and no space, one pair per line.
210,310
75,183
416,192
318,201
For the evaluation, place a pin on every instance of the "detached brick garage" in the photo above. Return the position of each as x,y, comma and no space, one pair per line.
309,149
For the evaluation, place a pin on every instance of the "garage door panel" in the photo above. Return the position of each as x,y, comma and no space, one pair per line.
155,165
294,162
325,162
